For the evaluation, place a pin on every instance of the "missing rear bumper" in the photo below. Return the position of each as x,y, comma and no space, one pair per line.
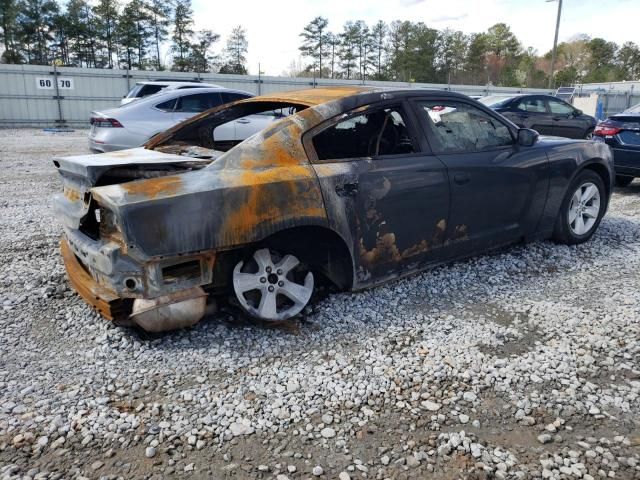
168,312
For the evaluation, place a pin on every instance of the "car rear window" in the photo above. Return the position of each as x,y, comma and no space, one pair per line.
228,97
495,101
167,106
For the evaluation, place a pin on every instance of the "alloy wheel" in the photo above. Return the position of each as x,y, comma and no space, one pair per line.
584,208
272,287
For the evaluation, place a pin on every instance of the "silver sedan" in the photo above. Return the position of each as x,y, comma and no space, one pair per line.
133,124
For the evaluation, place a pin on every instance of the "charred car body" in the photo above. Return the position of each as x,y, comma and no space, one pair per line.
358,186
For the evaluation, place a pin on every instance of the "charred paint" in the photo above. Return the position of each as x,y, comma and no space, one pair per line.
152,188
71,194
386,250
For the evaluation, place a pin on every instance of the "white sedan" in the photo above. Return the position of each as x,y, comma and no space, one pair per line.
133,124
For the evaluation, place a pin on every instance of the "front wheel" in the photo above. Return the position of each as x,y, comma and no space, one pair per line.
589,134
270,286
623,180
581,210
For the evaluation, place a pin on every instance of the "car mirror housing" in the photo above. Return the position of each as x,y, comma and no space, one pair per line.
527,137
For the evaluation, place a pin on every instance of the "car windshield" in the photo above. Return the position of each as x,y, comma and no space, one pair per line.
495,101
634,109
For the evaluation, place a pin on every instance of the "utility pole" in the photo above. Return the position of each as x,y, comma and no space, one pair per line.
555,44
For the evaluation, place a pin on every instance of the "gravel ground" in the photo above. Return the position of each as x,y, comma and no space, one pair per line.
520,364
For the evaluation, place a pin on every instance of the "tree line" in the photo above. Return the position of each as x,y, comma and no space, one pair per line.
115,34
134,34
413,52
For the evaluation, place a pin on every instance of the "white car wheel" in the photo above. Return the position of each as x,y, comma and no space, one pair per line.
272,287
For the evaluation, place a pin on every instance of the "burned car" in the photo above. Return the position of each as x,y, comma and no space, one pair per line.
357,186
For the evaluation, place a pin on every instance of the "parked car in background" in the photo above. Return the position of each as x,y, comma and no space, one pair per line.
144,89
132,125
622,133
545,114
359,185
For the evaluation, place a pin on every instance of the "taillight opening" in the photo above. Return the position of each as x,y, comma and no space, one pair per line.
102,122
604,130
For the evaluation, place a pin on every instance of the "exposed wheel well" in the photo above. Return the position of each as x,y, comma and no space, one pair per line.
603,173
320,248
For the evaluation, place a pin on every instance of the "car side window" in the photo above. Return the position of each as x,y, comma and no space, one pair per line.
560,108
167,106
532,105
198,102
375,133
459,127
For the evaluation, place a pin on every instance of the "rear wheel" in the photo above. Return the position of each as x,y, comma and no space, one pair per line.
581,210
623,180
271,286
589,134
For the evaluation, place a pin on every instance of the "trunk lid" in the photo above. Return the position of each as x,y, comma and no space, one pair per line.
83,172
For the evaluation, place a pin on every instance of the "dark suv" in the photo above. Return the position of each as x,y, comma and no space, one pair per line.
546,114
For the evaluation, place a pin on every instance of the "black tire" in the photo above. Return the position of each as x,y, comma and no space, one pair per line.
563,232
623,180
589,134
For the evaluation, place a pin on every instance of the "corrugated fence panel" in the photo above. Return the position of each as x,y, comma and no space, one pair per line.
28,96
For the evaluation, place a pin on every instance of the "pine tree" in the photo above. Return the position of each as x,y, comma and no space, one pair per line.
202,59
8,15
182,33
236,52
314,44
379,41
159,13
348,51
106,12
35,23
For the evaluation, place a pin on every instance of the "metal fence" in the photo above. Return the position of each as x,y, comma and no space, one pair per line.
612,101
43,96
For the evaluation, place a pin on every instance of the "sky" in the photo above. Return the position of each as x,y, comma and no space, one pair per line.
273,26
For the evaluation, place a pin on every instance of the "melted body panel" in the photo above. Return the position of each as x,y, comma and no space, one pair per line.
396,215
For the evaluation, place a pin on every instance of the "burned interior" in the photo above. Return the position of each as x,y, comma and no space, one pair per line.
196,137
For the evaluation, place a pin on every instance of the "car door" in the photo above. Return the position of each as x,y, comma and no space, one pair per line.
532,112
246,126
498,188
382,189
565,120
189,105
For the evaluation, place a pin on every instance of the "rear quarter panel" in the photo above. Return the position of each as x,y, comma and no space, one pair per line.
566,159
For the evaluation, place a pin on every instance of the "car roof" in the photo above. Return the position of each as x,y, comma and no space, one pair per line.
169,94
316,96
177,82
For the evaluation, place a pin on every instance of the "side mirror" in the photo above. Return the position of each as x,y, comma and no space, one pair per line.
577,113
527,137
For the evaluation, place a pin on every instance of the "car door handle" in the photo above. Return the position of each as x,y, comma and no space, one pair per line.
243,121
557,119
461,178
347,189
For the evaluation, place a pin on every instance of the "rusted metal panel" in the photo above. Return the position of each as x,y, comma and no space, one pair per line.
101,298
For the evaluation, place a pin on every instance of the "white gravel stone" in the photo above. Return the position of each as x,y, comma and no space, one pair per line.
328,432
502,337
